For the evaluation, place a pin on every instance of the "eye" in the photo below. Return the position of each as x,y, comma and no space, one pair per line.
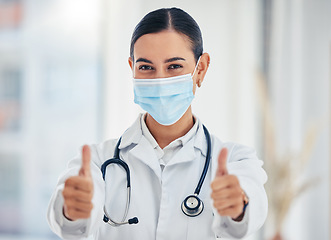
145,67
175,66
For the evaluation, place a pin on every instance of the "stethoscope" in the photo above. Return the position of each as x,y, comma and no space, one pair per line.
192,205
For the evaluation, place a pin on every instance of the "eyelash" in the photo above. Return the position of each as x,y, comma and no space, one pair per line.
170,67
175,66
145,67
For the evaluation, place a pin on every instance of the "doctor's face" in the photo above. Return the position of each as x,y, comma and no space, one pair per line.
163,54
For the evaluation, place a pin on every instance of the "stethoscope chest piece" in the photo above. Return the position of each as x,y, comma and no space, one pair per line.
192,206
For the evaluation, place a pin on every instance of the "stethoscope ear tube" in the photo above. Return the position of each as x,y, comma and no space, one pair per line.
117,160
116,224
133,220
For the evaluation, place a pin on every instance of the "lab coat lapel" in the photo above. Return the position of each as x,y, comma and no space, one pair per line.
185,154
145,153
142,151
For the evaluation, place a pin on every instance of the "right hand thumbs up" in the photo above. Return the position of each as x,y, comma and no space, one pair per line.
78,190
222,160
227,194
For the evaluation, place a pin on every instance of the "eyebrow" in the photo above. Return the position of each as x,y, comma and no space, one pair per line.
143,60
166,61
174,59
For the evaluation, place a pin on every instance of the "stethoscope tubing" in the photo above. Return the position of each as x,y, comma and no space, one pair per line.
189,211
207,163
123,222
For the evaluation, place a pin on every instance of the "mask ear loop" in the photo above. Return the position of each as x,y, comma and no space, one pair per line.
196,67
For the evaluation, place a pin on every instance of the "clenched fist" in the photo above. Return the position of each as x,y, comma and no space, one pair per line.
78,190
228,197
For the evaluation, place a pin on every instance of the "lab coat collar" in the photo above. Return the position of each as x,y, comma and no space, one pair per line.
133,135
200,141
188,151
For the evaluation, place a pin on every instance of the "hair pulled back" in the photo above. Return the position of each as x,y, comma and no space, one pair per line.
169,19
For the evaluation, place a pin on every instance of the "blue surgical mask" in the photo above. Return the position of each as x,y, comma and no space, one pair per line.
165,99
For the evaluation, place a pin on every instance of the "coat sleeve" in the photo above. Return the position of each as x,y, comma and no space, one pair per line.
243,162
79,229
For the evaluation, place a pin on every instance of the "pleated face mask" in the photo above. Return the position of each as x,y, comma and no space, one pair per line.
165,99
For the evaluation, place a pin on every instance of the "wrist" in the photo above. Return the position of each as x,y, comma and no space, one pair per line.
64,214
245,204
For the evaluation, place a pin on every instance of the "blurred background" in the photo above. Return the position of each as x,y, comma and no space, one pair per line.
65,81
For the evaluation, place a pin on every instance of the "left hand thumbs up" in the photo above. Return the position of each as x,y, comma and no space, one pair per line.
226,193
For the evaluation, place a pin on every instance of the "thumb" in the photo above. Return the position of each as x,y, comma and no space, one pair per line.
222,159
85,170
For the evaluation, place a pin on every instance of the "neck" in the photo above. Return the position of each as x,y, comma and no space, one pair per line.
164,135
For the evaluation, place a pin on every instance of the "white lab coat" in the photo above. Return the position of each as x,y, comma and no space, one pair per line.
156,195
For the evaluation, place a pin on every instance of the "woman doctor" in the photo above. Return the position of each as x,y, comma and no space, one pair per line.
165,152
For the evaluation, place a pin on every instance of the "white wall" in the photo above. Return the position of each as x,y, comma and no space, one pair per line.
55,48
300,93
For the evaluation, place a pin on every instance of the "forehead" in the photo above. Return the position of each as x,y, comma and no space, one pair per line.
163,45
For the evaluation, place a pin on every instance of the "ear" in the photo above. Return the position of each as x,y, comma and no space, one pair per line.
202,68
130,61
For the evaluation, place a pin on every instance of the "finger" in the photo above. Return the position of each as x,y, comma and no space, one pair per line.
79,206
233,211
226,181
86,162
222,159
228,203
79,183
74,214
77,194
227,193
